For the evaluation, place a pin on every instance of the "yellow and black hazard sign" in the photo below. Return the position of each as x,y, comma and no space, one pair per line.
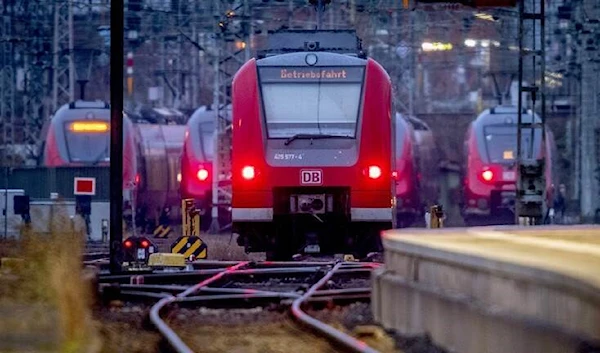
188,246
162,231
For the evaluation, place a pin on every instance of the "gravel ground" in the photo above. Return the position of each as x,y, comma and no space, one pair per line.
265,330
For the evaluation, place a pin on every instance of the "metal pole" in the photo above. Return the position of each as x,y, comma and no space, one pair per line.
116,134
519,104
214,226
5,196
588,151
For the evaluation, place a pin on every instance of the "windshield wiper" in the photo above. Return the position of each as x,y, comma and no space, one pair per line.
314,136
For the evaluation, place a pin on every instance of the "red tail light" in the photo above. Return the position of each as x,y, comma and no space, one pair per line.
395,175
202,174
248,172
145,243
128,243
137,178
487,175
374,172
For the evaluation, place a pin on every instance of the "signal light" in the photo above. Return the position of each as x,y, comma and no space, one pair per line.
145,243
248,172
128,243
487,175
374,172
202,174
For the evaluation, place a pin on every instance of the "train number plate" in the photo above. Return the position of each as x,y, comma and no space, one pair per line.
141,254
509,176
312,249
311,177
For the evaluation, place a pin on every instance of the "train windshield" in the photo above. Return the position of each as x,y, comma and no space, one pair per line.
501,143
207,140
88,142
319,102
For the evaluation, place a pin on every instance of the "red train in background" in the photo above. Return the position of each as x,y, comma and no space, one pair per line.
197,165
416,173
489,176
312,154
79,135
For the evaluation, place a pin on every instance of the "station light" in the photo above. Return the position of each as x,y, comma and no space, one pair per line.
248,172
374,172
436,46
89,126
470,43
202,174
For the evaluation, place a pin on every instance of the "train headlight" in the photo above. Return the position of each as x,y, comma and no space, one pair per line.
374,172
487,175
248,172
202,174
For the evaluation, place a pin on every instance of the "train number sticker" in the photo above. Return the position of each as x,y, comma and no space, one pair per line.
311,177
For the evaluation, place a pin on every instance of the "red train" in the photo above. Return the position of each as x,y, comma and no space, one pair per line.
416,175
489,176
312,152
79,134
197,165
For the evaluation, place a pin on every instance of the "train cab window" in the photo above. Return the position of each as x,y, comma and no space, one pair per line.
312,107
501,143
207,138
88,142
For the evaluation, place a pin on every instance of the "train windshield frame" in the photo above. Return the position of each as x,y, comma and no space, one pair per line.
500,141
311,101
87,147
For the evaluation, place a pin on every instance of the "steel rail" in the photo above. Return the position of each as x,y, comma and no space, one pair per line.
329,332
175,341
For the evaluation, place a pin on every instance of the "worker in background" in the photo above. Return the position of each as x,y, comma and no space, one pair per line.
560,204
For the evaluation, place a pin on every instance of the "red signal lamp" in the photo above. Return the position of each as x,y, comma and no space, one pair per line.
487,175
202,174
374,172
248,172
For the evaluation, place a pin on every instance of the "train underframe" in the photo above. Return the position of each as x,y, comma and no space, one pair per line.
311,221
497,209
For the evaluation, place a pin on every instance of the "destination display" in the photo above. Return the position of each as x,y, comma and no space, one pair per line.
311,74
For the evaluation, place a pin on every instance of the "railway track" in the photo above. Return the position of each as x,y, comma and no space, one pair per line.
265,304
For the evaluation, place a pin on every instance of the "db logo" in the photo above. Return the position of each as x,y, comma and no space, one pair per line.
311,177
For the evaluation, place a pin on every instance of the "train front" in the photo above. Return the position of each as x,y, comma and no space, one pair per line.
491,174
312,154
79,135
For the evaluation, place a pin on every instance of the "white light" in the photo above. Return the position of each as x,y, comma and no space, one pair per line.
470,42
485,43
427,46
496,43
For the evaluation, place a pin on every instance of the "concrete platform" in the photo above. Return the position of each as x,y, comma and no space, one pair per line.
492,289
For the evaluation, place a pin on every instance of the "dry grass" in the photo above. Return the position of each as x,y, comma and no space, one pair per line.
47,294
